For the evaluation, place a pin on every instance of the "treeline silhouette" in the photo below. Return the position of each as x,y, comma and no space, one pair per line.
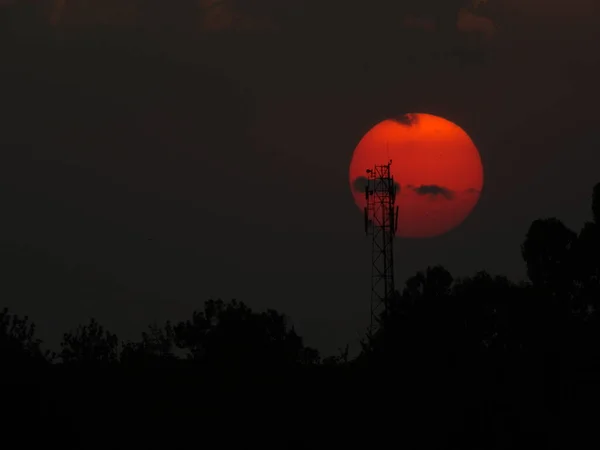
478,362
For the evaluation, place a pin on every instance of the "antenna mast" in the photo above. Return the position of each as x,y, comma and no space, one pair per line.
381,223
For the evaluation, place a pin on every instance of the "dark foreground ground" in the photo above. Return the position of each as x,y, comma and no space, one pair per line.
476,407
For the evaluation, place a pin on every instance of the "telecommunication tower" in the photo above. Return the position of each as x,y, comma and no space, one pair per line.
381,223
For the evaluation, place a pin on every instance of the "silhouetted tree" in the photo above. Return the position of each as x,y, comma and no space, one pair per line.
89,344
18,344
309,356
587,266
585,346
337,360
482,300
225,334
425,300
156,347
553,257
548,253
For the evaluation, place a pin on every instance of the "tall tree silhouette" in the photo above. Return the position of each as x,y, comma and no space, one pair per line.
548,253
588,260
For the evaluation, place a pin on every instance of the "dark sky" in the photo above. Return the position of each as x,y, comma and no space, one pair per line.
153,156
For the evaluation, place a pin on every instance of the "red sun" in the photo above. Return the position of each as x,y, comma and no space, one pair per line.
435,164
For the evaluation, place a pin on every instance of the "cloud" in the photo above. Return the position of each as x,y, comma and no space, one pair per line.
407,119
434,190
360,184
467,22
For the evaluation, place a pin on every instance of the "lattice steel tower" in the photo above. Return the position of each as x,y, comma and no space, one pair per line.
381,223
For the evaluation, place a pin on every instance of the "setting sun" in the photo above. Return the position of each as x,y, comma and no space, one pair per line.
435,164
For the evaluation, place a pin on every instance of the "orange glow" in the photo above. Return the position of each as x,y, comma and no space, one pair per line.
435,164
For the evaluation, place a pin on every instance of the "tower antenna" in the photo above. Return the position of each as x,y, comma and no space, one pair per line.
381,223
